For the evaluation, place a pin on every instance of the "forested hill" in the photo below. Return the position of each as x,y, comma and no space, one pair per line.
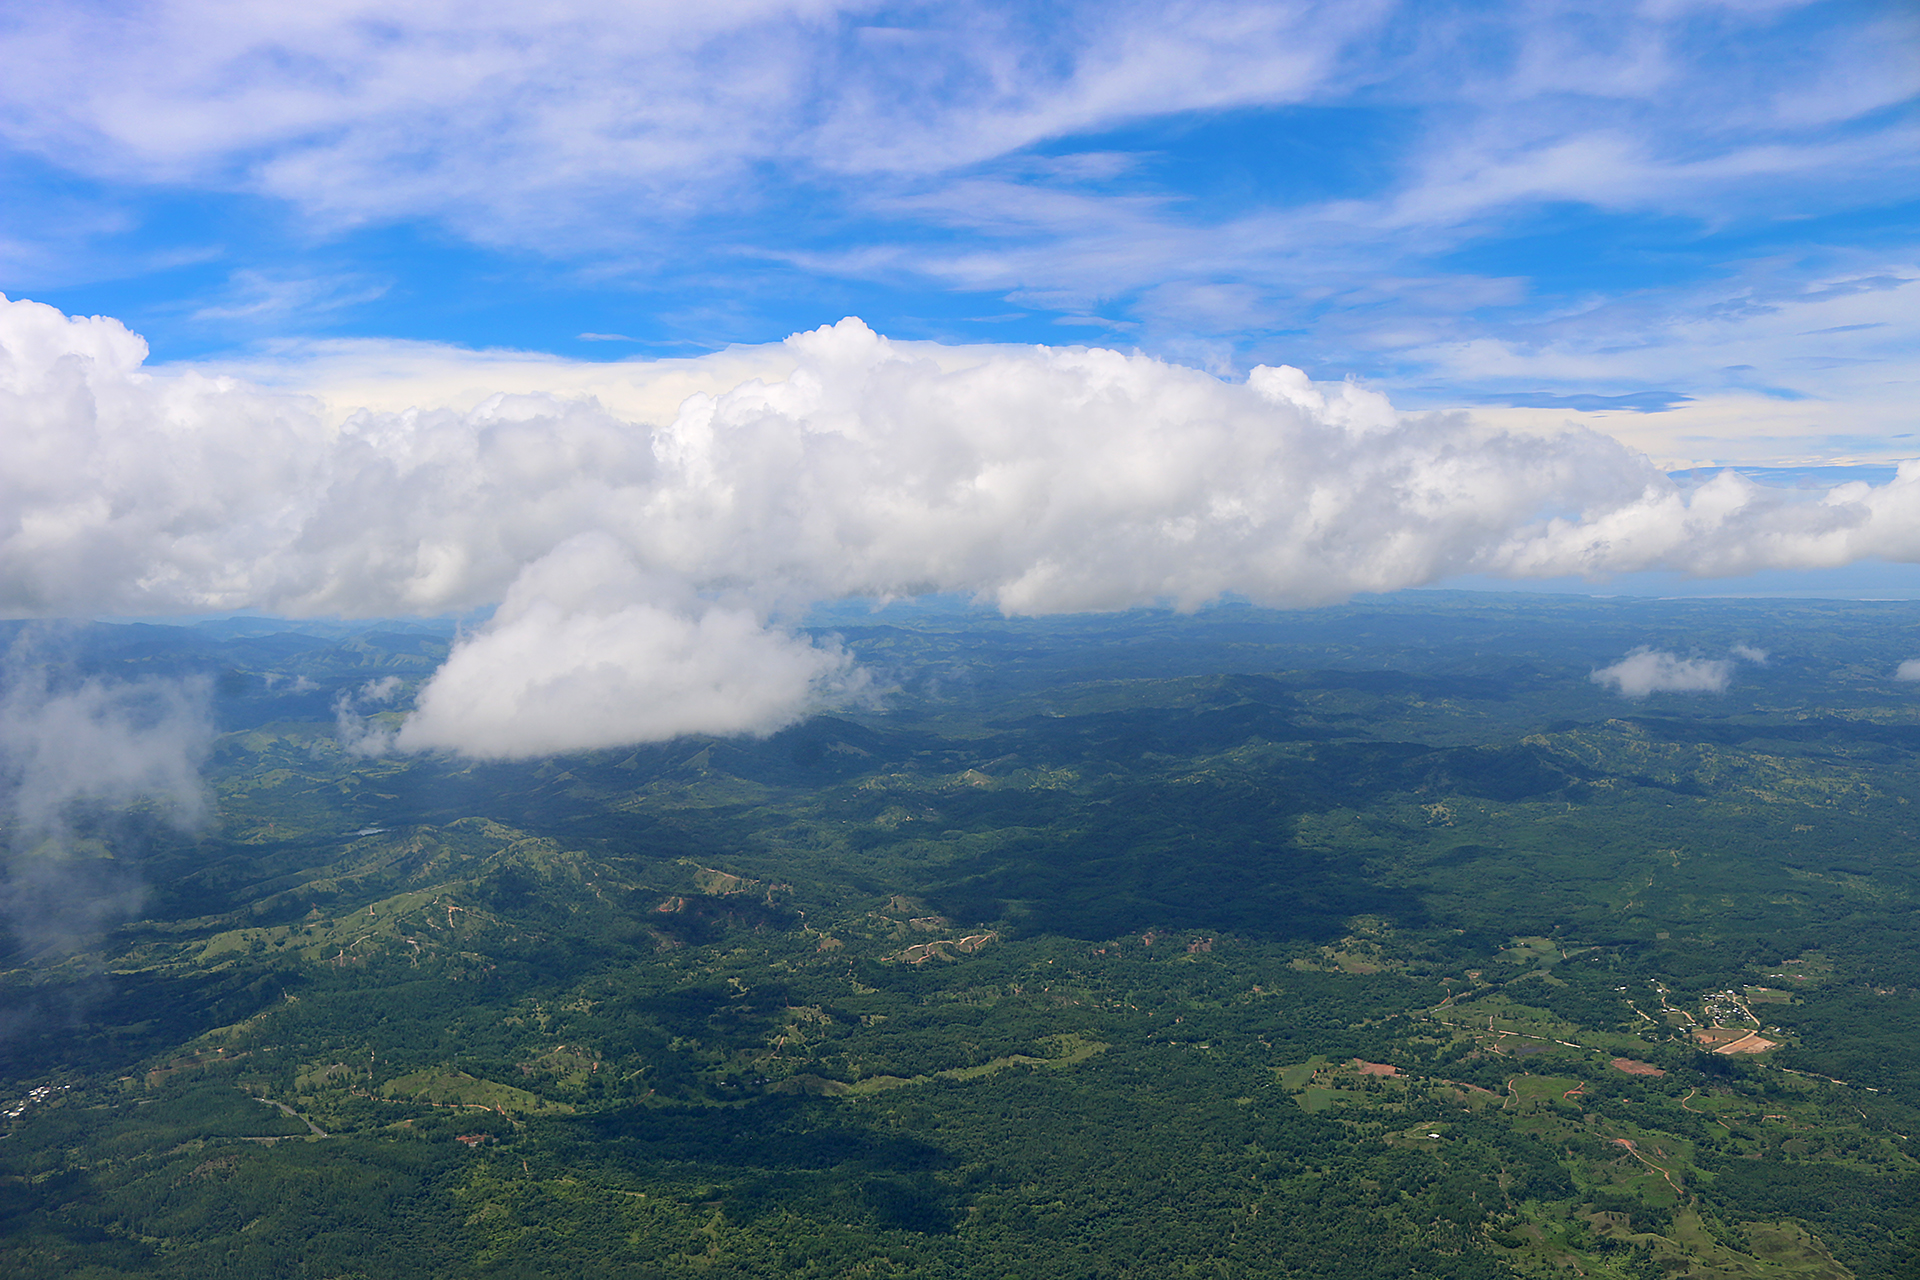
1379,941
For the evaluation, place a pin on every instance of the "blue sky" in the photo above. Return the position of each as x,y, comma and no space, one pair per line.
1549,210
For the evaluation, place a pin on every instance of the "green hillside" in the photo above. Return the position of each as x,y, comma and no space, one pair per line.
1368,942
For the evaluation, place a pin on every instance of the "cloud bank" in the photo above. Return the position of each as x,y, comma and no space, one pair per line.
643,568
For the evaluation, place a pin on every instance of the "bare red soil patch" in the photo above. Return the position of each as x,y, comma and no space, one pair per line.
1750,1043
1636,1068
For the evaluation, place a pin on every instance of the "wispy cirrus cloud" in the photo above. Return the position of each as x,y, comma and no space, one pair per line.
252,297
482,116
355,110
1457,202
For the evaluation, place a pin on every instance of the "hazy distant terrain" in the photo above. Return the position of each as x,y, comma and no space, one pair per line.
1374,941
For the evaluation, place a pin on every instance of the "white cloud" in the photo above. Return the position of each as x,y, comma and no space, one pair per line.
586,651
381,690
73,757
1909,670
353,110
609,134
1783,364
105,742
252,297
1647,671
1803,356
642,552
1748,653
356,729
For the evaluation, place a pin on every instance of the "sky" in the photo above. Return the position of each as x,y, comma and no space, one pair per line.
1691,223
649,327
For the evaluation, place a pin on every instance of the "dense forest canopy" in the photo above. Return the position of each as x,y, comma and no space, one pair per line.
1387,940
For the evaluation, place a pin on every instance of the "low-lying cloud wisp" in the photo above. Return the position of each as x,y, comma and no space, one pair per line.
75,758
646,570
1648,671
357,732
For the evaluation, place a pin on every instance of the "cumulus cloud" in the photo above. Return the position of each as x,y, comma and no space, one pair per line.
586,652
1909,670
1647,671
642,562
1749,653
74,757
